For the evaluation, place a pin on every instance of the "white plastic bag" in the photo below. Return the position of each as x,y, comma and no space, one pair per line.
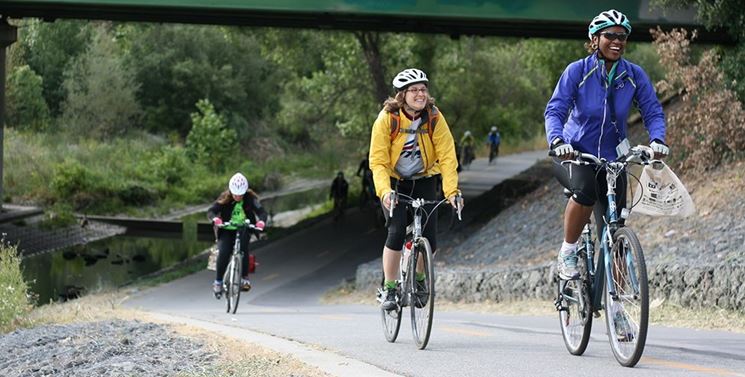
661,193
212,259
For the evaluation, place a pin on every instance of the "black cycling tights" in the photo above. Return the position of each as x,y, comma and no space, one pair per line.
421,188
589,187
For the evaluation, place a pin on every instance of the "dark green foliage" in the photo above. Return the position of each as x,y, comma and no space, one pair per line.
49,47
177,65
70,177
25,106
170,165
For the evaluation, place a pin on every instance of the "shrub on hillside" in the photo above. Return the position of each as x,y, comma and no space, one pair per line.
13,289
707,130
210,141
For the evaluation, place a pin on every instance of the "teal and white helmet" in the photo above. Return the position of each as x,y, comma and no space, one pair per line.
606,19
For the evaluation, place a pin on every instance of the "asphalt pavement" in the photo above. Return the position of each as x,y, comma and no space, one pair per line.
282,312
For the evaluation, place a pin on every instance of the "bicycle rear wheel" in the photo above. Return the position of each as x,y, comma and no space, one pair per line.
627,307
422,300
575,308
233,284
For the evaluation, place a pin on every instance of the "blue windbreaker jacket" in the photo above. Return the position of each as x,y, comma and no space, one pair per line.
579,112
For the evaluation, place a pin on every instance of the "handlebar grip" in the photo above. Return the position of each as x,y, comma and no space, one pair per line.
551,153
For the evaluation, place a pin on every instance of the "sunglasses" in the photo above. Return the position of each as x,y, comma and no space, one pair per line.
613,36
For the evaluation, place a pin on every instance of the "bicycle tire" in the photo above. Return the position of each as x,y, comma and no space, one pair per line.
233,281
628,333
575,313
422,309
391,320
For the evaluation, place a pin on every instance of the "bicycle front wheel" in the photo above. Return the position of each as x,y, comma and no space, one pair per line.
575,308
627,306
233,284
422,293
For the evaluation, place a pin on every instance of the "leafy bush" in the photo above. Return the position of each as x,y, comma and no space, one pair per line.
170,165
707,130
70,177
13,298
25,106
210,141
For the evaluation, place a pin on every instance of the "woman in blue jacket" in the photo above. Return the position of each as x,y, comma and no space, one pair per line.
587,112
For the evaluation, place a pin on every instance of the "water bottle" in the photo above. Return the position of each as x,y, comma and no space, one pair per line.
407,255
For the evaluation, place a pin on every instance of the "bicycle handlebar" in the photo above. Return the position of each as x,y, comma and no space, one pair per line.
640,154
245,224
419,202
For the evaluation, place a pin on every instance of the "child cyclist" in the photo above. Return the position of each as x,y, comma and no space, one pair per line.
234,205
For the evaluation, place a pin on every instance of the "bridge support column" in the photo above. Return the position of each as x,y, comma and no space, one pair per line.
8,35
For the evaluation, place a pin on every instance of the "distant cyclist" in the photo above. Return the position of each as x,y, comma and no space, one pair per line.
467,143
410,146
234,205
493,139
368,187
339,192
588,112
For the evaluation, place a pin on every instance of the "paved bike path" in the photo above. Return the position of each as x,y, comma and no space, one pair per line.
295,271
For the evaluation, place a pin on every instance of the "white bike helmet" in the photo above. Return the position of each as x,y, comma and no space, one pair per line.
238,184
409,76
493,128
606,19
467,133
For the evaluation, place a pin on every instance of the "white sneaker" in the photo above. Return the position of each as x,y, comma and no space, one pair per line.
567,266
245,285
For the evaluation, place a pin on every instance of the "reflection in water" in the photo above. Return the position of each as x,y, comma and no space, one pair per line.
102,264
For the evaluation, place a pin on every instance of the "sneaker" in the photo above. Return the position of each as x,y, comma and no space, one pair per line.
245,285
390,300
624,331
567,267
217,288
422,296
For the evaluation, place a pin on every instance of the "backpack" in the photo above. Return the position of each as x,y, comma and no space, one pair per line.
395,120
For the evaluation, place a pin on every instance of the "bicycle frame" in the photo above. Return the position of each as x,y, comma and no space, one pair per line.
611,223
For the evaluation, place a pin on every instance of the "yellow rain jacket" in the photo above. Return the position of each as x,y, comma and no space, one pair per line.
438,153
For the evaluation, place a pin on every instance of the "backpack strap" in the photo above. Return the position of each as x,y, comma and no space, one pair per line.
395,120
430,117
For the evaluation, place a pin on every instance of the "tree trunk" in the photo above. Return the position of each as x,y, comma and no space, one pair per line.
370,43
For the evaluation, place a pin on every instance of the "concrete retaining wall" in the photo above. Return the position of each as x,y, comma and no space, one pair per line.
721,286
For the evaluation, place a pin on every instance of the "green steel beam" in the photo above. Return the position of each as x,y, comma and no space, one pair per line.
527,18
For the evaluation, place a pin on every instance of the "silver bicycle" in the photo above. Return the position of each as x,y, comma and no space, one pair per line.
231,280
416,258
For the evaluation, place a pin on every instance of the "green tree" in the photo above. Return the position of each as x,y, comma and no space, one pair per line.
49,48
25,105
210,141
101,89
178,65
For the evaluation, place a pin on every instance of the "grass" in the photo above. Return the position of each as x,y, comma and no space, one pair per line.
14,302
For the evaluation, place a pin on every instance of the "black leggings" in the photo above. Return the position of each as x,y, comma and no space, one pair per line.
425,188
225,242
589,187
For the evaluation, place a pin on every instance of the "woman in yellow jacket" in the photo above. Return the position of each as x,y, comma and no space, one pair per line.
407,155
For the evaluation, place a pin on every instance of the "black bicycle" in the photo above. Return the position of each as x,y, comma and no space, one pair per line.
231,281
623,293
416,257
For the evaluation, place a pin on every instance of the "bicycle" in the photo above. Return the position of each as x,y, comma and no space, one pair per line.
493,152
417,253
231,280
623,293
